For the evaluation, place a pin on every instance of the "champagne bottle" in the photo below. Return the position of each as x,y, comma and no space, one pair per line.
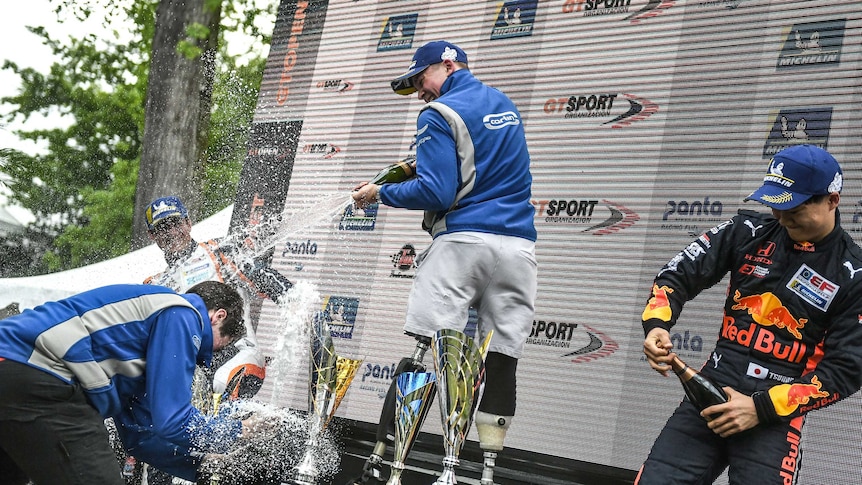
397,172
700,389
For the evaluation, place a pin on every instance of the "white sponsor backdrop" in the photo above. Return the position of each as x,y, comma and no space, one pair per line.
647,122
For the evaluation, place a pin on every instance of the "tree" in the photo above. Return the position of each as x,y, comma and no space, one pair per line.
82,187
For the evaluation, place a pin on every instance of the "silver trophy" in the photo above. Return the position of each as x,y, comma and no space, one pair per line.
414,393
460,368
330,376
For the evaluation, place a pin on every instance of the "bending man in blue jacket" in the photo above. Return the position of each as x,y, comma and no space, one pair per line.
473,183
123,351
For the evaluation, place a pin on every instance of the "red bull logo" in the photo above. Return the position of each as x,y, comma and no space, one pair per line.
762,340
767,310
787,398
659,305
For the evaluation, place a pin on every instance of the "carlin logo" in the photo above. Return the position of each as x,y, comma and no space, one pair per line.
354,219
573,211
601,105
335,86
812,44
404,262
397,32
339,312
641,10
792,127
514,19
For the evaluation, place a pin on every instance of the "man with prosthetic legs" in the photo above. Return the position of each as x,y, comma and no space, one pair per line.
473,183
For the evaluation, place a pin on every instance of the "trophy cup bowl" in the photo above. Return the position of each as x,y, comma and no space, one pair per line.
330,377
414,393
460,367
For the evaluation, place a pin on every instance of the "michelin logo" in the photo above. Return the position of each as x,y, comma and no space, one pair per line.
495,121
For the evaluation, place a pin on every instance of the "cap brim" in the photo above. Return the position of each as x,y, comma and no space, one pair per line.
778,198
403,84
163,219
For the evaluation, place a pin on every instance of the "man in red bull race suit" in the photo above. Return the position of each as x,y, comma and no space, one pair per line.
237,370
790,339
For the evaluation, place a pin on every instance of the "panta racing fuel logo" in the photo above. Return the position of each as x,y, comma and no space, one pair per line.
328,150
790,127
685,215
588,344
376,378
515,18
298,252
396,32
812,44
642,9
335,85
621,109
610,218
339,313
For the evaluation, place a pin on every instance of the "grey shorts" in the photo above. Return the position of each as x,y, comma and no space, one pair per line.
494,274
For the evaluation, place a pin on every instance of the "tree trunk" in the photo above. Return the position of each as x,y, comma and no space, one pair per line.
179,98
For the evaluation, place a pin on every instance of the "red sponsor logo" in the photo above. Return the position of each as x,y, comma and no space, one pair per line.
762,340
804,246
766,309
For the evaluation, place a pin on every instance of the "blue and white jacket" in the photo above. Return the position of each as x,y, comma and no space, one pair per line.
132,349
472,163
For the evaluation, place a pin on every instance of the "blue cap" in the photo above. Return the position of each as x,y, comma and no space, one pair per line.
165,208
796,174
430,53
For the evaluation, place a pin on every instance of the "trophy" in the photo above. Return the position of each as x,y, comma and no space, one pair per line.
330,377
414,391
460,368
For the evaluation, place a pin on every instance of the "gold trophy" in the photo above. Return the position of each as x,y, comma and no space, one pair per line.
460,368
414,393
330,377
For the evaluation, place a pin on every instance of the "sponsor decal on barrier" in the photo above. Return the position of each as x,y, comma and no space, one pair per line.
618,109
404,262
634,14
584,343
790,127
335,86
298,252
397,32
812,44
376,378
515,18
610,217
685,215
353,219
339,312
327,150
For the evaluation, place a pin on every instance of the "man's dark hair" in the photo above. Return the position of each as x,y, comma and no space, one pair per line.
816,199
215,295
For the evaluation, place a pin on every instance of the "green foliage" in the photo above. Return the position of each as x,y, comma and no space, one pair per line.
81,187
106,221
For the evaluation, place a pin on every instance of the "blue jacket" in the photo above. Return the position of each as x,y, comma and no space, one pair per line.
132,349
472,163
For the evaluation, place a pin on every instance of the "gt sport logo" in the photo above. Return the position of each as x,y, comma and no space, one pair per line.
615,109
640,11
812,44
396,32
515,18
328,150
598,218
335,86
582,342
790,127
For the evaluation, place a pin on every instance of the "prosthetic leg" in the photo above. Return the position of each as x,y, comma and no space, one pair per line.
496,410
372,470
